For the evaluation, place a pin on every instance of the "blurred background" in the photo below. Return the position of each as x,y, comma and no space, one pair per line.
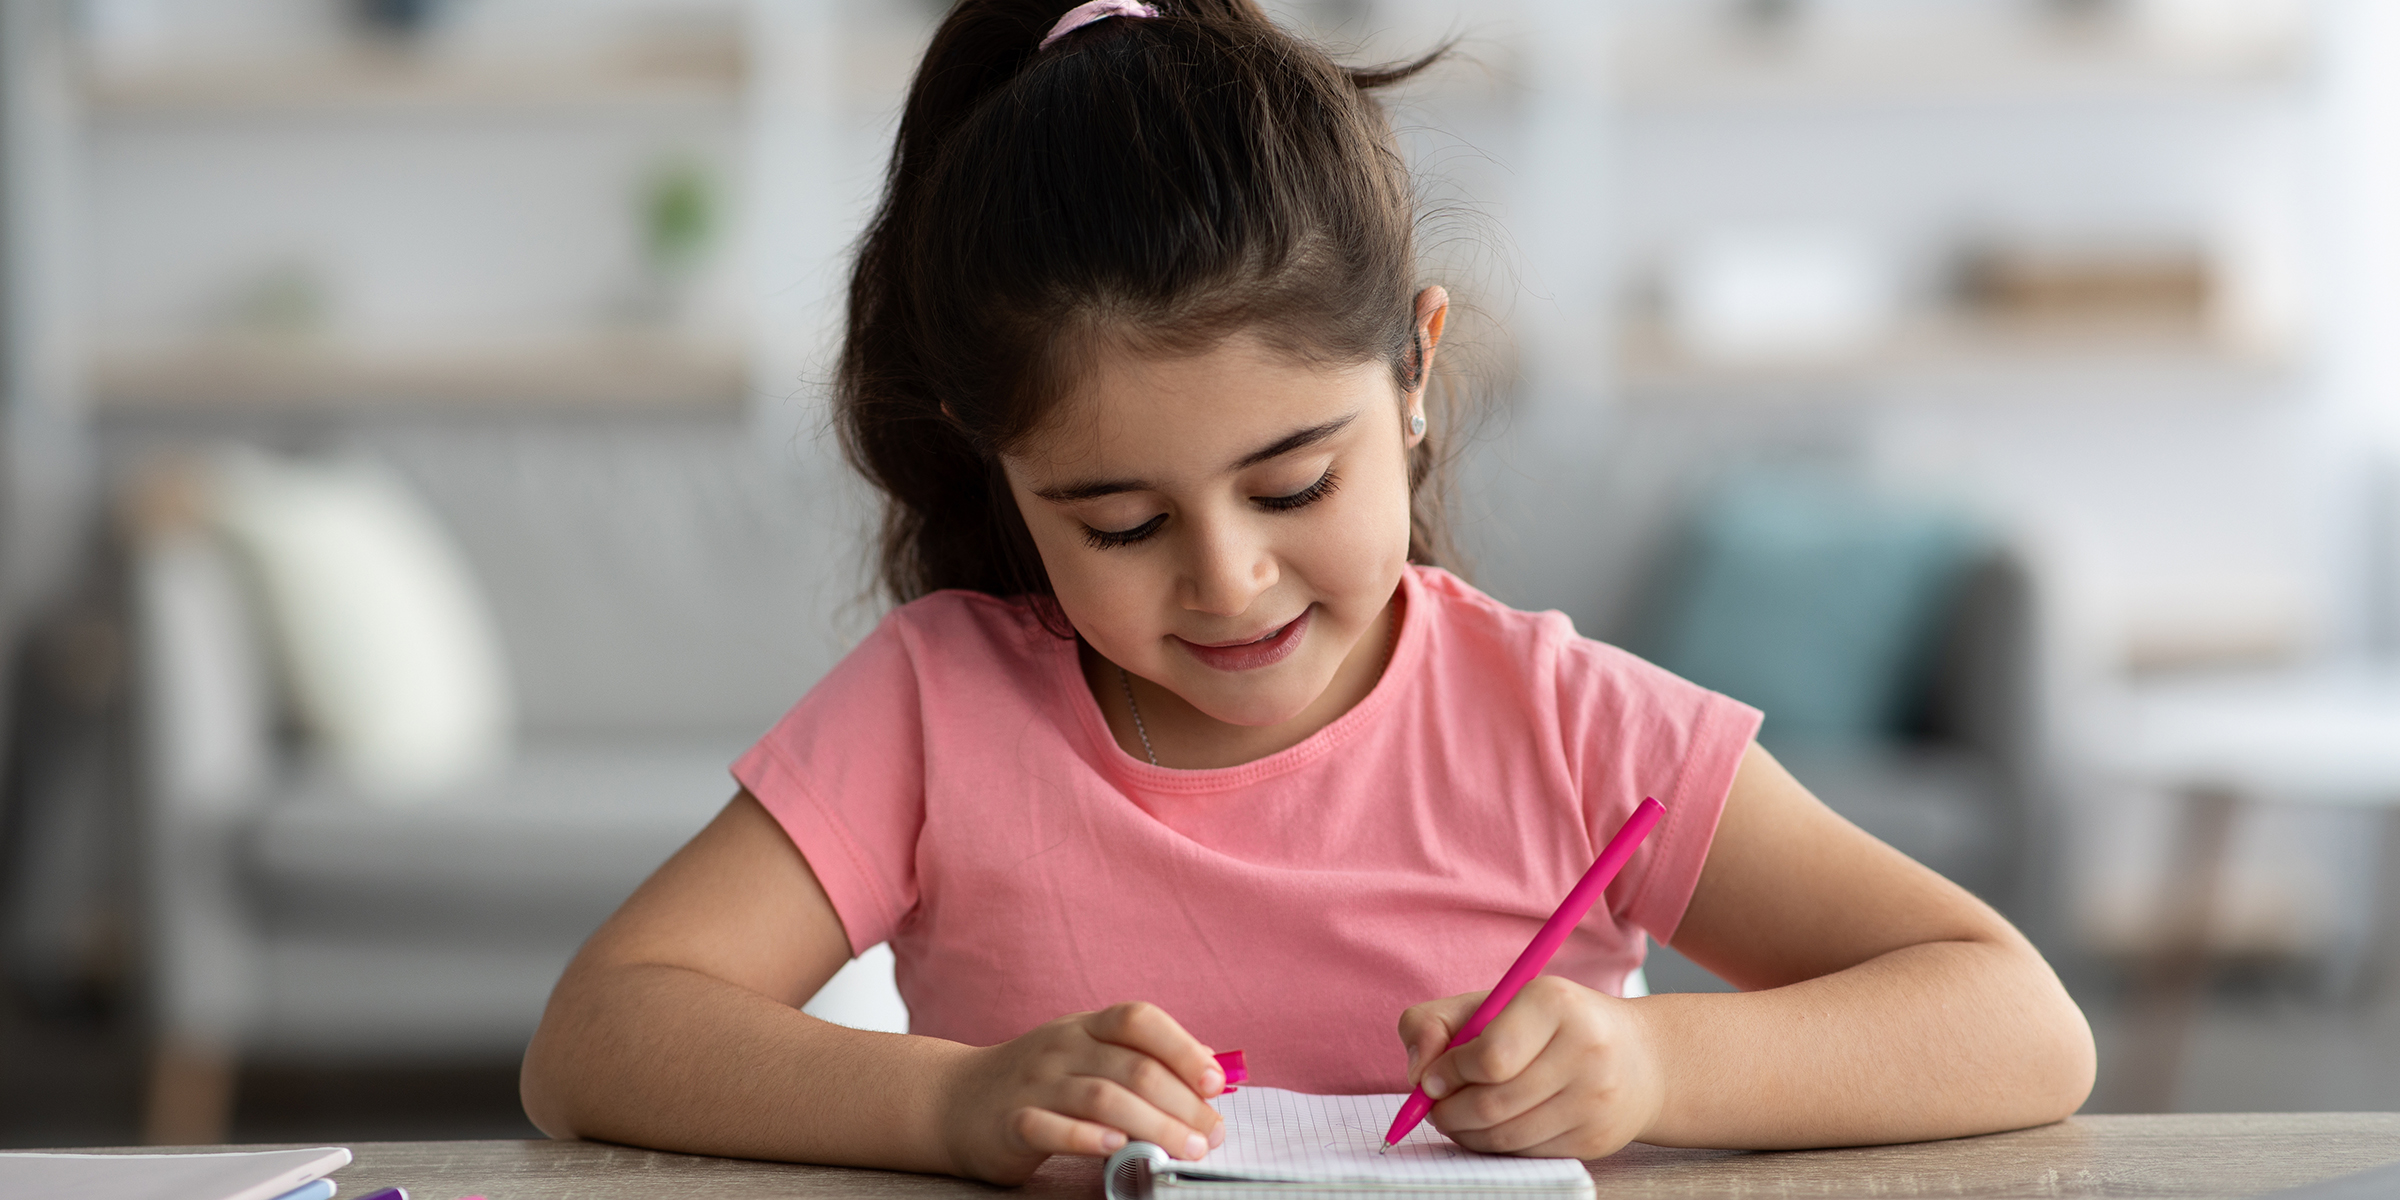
413,490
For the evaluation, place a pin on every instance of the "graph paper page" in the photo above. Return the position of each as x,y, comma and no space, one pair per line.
1295,1137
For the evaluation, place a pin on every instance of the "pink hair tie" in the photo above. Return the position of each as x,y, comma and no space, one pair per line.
1084,14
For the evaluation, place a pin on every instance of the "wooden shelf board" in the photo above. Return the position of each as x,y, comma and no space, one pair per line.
627,373
1724,73
1942,355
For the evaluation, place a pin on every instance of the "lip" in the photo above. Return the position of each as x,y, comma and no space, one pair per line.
1251,655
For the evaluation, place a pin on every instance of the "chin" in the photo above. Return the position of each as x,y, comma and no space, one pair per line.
1256,710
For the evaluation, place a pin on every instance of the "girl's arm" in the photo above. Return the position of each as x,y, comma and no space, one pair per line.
1880,1003
678,1026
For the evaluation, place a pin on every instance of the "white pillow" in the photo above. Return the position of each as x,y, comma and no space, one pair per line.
391,653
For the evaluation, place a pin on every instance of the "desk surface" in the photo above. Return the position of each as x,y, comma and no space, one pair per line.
2117,1156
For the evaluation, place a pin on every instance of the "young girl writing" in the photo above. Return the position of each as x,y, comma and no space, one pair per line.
1181,740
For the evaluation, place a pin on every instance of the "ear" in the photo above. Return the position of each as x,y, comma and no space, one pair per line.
1433,311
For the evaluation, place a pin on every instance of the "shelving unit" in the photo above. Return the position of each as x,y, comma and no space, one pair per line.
1932,138
1930,134
431,227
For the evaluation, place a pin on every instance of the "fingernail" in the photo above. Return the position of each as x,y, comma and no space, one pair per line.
1113,1140
1216,1137
1435,1087
1413,1053
1195,1146
1212,1081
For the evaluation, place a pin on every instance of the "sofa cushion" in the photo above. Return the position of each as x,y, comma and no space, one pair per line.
383,633
649,577
1818,601
537,854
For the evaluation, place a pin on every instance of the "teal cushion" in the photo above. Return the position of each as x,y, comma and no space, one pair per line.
1818,601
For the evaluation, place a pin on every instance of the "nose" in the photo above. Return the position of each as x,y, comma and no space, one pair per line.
1230,567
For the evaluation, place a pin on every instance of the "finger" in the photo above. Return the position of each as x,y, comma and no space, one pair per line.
1481,1108
1499,1053
1146,1027
1103,1100
1166,1091
1426,1029
1554,1128
1040,1131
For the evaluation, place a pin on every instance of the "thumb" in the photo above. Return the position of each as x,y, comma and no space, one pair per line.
1426,1029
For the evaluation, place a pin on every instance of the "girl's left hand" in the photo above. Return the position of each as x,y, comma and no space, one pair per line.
1563,1071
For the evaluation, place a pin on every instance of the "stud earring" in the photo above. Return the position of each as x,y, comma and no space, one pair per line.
1416,424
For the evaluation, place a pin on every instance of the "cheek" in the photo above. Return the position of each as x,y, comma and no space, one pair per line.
1363,536
1100,592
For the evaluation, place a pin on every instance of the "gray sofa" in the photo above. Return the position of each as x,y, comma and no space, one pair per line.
663,590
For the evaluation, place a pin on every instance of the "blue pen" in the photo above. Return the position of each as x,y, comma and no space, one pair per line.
320,1189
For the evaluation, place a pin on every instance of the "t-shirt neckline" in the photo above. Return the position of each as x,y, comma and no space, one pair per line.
1067,673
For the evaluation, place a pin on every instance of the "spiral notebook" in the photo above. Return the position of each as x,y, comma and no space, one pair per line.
1289,1144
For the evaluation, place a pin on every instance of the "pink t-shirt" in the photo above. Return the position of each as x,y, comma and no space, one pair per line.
956,790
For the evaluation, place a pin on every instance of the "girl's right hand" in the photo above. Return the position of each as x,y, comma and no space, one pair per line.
1082,1084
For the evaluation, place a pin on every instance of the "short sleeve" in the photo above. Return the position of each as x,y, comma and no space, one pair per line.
1630,730
843,773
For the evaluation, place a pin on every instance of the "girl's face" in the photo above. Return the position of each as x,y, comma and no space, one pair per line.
1227,525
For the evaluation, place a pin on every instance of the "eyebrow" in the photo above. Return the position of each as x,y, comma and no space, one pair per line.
1093,489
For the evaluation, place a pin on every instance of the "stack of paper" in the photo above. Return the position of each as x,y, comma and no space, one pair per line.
1286,1144
246,1175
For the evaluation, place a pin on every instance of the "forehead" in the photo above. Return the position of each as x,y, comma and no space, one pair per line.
1172,414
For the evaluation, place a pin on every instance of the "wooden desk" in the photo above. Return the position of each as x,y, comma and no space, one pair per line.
2115,1156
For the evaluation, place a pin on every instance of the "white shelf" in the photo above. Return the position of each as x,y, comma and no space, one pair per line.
631,371
382,83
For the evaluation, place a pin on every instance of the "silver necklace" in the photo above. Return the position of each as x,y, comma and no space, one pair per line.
1124,680
1136,706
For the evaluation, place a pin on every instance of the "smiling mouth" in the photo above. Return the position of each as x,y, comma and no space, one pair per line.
1249,654
1268,635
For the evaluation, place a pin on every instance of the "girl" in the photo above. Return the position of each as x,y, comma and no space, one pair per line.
1181,740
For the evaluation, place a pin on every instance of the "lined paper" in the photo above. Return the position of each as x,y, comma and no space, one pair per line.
1294,1137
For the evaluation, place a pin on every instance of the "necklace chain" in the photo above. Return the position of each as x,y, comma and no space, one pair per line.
1136,706
1125,680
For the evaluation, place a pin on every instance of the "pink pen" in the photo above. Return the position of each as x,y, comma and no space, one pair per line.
1554,931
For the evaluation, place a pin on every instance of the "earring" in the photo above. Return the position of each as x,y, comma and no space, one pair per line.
1416,424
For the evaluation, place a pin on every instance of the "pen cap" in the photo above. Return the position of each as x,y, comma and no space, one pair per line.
1236,1069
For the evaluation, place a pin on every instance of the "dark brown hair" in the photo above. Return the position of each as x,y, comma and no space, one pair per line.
1150,183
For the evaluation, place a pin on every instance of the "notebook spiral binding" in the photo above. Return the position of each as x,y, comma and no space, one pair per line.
1131,1172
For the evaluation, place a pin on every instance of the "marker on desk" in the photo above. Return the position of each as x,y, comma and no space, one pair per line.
1553,934
390,1193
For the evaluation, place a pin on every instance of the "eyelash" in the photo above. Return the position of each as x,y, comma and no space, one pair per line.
1109,539
1306,496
